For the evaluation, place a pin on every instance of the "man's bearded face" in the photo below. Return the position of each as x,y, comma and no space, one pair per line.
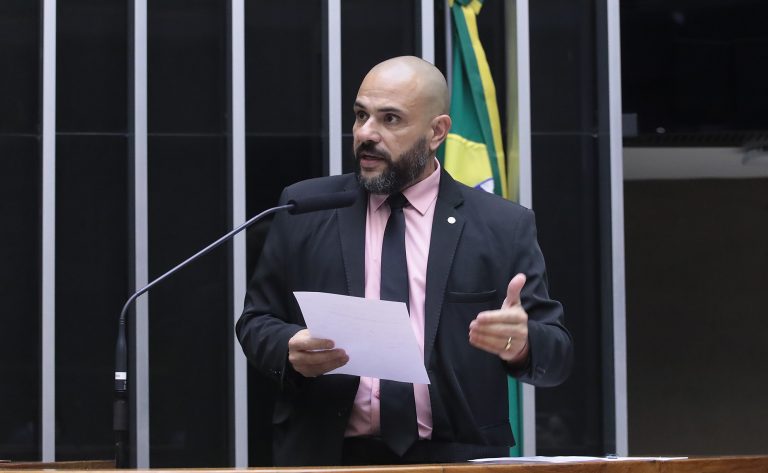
398,173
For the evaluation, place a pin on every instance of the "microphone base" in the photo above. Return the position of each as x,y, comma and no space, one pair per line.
120,424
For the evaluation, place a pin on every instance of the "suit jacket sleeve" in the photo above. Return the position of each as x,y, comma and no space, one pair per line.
550,344
267,322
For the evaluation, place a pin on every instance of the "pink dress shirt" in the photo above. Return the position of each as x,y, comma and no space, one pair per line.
364,419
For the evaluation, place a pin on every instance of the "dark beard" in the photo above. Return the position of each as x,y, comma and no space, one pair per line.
398,174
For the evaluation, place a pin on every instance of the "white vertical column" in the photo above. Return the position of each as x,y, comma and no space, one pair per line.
428,30
522,45
141,231
239,366
48,250
448,47
524,102
334,87
617,228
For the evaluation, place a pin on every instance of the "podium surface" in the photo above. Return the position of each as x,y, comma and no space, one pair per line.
737,464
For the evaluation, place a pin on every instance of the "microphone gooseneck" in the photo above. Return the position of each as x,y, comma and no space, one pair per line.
120,404
322,202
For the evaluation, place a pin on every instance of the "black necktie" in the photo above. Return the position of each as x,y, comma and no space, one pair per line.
398,408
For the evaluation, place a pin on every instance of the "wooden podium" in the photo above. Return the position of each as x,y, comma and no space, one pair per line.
740,464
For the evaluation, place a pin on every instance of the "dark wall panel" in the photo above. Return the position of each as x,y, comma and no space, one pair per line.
19,289
91,286
20,66
92,66
190,321
568,417
285,56
371,31
563,66
91,218
20,229
285,117
697,273
286,141
20,171
567,142
677,52
187,66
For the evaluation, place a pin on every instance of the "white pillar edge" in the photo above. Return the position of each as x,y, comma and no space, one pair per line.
528,400
141,233
239,271
428,30
522,43
48,239
524,103
617,228
334,88
448,47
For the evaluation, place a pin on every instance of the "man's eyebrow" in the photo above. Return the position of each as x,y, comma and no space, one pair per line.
390,110
359,105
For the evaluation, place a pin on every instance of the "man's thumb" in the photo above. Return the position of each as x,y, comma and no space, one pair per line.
513,290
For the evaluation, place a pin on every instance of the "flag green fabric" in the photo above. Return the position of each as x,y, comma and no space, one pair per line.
473,152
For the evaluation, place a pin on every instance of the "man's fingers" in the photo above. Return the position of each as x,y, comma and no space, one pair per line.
504,316
314,356
332,364
303,341
498,331
502,332
485,341
315,363
498,345
313,344
513,291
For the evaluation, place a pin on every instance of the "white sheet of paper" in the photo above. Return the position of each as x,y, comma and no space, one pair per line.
376,335
568,459
537,459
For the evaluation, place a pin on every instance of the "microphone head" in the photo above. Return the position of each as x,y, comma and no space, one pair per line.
332,200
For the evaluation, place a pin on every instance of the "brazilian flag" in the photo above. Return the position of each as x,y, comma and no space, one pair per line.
473,152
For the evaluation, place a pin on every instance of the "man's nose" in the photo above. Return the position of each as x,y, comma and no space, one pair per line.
368,131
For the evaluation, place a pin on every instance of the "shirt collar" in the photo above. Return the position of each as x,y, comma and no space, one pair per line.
420,195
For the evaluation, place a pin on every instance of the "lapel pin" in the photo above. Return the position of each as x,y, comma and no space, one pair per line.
451,220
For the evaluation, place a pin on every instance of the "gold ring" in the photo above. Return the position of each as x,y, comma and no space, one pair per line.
508,345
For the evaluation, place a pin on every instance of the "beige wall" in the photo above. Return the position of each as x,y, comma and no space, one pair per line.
697,316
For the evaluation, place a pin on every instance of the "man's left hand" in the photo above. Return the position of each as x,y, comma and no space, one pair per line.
503,332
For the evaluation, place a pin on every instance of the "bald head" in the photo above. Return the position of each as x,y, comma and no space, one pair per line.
415,80
401,119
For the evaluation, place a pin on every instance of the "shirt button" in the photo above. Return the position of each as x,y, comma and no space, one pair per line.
377,393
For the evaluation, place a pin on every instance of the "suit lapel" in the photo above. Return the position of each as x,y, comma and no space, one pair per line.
352,234
447,226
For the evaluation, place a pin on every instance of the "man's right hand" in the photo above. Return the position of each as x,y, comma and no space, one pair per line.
314,356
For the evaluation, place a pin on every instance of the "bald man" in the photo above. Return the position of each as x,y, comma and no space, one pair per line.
476,292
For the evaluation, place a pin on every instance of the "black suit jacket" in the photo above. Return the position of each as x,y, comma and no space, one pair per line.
469,267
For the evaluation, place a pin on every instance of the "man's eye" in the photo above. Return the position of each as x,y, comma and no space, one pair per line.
389,118
360,115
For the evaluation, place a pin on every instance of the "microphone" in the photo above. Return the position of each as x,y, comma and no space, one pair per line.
334,200
120,409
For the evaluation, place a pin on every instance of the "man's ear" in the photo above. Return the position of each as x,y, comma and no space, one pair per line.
441,125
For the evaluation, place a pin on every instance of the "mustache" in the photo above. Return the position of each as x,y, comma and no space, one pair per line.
370,149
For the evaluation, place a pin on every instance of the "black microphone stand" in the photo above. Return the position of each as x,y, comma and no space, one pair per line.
332,200
120,404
